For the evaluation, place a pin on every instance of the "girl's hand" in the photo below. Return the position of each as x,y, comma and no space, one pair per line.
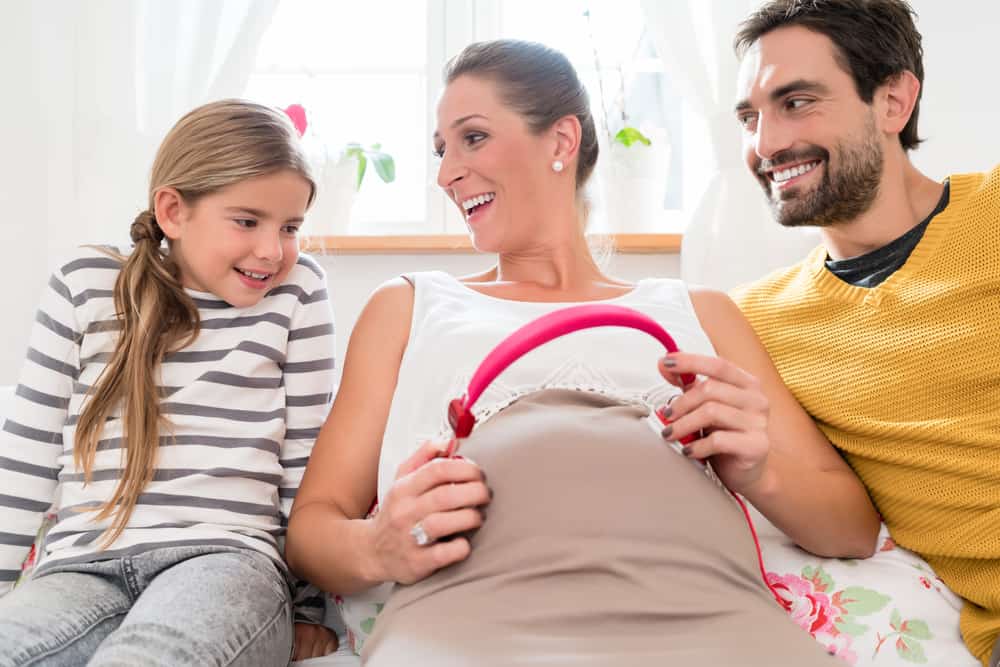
432,498
729,409
313,641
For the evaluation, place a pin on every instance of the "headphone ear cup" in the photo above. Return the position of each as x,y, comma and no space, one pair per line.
461,420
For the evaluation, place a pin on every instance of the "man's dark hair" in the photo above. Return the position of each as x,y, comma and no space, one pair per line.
875,40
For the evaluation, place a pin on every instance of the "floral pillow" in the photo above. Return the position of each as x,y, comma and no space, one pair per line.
890,609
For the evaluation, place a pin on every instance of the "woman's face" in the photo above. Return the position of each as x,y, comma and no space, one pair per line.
496,171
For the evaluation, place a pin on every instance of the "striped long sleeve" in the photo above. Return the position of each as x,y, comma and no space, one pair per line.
242,405
308,379
31,440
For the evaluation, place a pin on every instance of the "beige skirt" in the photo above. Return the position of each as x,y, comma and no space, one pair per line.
602,546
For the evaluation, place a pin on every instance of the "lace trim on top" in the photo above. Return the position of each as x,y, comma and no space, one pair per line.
575,375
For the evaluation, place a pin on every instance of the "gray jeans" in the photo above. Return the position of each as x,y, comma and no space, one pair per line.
169,606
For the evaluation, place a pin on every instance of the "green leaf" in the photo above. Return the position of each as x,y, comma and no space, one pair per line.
896,619
384,165
917,629
911,650
629,135
821,580
362,165
367,625
351,152
859,601
848,626
378,607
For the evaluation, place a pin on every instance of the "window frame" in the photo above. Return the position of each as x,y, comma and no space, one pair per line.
451,25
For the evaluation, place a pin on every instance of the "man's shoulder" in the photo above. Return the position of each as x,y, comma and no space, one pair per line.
786,280
975,185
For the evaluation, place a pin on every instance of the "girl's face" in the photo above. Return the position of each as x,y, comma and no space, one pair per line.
240,241
494,169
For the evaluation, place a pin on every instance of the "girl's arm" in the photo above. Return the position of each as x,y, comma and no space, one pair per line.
330,542
308,375
763,443
32,436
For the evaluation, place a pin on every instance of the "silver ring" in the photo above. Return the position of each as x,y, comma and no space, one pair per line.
420,535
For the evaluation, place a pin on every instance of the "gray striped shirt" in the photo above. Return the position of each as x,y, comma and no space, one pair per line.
244,402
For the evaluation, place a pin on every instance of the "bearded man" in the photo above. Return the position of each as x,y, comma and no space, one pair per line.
887,333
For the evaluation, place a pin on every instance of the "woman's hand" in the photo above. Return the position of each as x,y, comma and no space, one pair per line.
727,411
313,641
433,498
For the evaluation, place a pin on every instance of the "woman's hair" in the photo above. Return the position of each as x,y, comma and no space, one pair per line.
210,148
537,82
875,40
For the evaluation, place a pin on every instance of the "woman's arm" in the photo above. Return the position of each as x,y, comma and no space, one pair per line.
330,542
764,444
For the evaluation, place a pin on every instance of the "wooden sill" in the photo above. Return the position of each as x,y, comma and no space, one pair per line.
460,244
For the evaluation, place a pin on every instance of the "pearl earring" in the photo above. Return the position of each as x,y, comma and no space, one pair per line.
557,166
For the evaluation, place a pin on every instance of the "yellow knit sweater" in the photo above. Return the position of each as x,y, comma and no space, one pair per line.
904,379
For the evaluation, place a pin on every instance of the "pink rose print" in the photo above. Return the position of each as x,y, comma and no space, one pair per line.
811,609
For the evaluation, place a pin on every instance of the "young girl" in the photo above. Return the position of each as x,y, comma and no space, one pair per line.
173,394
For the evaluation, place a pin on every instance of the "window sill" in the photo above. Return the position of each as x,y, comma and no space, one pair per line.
460,244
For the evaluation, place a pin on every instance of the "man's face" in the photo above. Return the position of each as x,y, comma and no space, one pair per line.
810,141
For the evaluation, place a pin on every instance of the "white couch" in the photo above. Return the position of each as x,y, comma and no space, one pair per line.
888,610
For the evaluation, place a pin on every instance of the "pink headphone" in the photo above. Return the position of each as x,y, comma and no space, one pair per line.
554,325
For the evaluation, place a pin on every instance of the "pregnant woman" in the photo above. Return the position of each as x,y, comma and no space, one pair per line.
571,533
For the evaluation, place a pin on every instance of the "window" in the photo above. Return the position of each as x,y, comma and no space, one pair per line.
371,73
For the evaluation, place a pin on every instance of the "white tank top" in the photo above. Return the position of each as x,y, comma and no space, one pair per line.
454,327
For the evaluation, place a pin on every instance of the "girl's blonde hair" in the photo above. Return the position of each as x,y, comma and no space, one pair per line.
210,148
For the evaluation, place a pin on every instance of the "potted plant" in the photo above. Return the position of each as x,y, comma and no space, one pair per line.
634,164
339,175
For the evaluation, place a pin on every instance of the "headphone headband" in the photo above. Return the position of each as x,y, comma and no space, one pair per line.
539,332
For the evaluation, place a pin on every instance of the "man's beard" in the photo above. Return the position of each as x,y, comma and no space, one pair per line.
841,195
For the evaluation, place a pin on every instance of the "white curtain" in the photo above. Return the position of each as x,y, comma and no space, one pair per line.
133,67
90,88
731,237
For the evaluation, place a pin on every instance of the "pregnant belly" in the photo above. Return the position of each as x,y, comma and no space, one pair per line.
597,529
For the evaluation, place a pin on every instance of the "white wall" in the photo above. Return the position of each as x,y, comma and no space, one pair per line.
958,118
24,198
961,102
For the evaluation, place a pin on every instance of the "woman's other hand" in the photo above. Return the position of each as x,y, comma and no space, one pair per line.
726,410
432,498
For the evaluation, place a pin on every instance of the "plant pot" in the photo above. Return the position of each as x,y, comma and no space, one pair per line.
634,186
330,213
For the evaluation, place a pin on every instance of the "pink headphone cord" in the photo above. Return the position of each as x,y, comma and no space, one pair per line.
554,325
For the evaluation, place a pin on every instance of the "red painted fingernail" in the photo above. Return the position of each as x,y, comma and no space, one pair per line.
686,450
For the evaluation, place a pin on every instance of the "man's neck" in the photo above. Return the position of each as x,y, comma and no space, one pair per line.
906,197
